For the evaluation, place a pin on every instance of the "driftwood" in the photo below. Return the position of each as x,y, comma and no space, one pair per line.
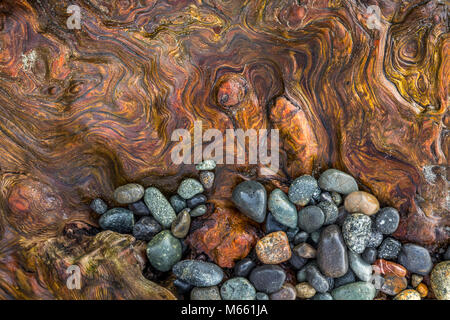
83,111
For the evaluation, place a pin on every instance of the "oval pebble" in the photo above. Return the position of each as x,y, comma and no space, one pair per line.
302,190
267,278
129,193
98,206
338,181
415,258
387,220
361,202
287,292
146,228
206,293
250,197
408,294
238,288
117,219
356,231
206,165
159,206
189,187
310,218
355,291
440,280
163,251
198,273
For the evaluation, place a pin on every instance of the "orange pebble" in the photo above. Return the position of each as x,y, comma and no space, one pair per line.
389,267
422,289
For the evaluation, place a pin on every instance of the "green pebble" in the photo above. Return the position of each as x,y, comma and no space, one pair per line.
160,208
189,187
163,251
355,291
238,288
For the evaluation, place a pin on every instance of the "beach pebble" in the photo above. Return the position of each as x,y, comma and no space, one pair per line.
139,208
178,203
243,267
440,280
332,253
355,291
273,248
330,210
117,219
389,249
146,228
267,278
310,218
129,193
305,290
250,197
287,292
160,208
238,288
356,231
338,181
206,293
198,273
361,202
415,258
206,165
302,190
163,251
387,220
189,187
362,269
282,209
207,179
408,294
180,226
98,206
198,211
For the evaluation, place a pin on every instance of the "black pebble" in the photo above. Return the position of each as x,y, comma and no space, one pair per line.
389,249
182,287
196,201
139,208
300,237
146,228
242,268
347,278
272,225
369,255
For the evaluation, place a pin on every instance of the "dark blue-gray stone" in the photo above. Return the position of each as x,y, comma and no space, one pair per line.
301,274
389,249
198,273
296,261
199,211
300,237
182,287
163,251
139,208
332,253
416,259
160,208
129,193
178,203
189,187
98,206
310,218
250,197
238,288
356,231
342,215
117,219
325,196
261,296
243,267
316,279
322,296
338,181
330,210
282,209
267,278
291,233
146,228
196,200
387,220
315,236
369,255
347,278
302,190
272,225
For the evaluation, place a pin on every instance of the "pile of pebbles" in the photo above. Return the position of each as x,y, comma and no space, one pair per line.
333,236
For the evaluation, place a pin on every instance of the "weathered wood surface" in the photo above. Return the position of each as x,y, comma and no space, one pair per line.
84,111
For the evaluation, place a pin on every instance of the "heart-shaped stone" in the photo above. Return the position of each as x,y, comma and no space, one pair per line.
250,197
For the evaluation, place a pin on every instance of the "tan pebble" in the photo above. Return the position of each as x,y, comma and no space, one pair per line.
305,290
416,280
274,248
408,294
305,250
440,280
422,289
363,202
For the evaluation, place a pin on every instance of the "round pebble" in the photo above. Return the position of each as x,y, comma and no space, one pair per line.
408,294
250,197
243,267
415,258
160,208
163,251
198,273
361,202
117,219
273,248
206,293
338,181
146,228
422,289
375,239
305,290
387,220
199,211
180,226
302,190
129,193
393,285
356,231
98,206
305,250
369,255
282,209
267,278
189,187
238,288
310,218
207,179
389,249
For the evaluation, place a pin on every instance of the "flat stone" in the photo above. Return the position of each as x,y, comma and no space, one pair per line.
261,296
387,220
198,273
117,219
316,279
207,179
389,249
198,211
206,165
267,278
146,228
180,226
302,190
369,255
282,209
362,269
330,210
355,291
250,197
415,258
416,279
375,239
393,285
310,218
361,202
305,250
287,292
178,203
273,248
356,231
189,187
238,289
338,181
332,253
323,296
129,193
408,294
243,267
305,290
160,208
139,208
98,206
196,201
206,293
163,251
347,278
